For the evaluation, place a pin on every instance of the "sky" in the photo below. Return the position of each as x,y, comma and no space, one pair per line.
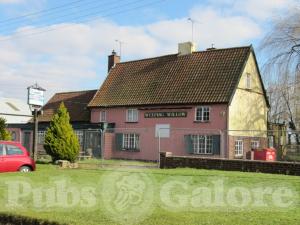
63,45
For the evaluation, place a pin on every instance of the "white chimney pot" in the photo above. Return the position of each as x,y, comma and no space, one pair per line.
186,48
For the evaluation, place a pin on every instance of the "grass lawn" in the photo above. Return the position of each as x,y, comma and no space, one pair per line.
168,196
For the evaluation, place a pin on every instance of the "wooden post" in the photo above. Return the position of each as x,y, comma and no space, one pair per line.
35,133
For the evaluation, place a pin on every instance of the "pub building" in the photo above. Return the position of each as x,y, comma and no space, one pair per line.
199,103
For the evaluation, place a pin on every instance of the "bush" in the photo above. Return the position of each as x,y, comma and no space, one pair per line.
61,143
8,219
4,134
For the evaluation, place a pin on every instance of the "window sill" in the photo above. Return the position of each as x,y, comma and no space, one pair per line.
238,156
130,150
197,121
202,154
131,121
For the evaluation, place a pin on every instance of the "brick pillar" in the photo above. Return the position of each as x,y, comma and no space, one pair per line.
162,160
108,145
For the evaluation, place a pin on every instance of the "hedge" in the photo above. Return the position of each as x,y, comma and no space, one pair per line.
10,219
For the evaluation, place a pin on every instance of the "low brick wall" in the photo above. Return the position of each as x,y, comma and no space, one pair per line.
168,161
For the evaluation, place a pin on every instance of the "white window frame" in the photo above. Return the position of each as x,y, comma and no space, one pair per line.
255,144
248,81
41,137
103,115
202,144
132,115
205,109
131,141
238,148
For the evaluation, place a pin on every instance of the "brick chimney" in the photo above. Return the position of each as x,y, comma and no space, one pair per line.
113,59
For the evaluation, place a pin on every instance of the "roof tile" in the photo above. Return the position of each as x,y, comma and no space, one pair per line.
75,102
201,77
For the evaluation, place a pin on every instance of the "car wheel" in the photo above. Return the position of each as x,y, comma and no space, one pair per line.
25,169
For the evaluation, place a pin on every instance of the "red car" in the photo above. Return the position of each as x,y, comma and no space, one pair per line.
14,157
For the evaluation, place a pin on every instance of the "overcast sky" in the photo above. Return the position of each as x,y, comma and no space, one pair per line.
63,45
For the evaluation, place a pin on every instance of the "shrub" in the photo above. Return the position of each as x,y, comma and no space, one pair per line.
4,134
61,143
8,219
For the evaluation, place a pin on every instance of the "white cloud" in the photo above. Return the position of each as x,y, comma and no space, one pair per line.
262,9
74,56
256,9
210,27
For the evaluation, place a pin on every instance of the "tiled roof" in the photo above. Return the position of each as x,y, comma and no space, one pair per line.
75,102
201,77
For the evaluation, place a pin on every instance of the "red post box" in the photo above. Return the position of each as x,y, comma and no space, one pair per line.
266,154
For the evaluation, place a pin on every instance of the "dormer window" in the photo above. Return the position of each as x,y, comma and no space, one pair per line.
248,81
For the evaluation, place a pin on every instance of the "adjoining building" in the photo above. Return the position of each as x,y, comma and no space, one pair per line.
16,113
14,110
76,102
216,97
88,134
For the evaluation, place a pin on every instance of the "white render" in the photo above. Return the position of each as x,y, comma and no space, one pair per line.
14,110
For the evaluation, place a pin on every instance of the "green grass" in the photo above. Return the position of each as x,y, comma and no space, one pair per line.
156,210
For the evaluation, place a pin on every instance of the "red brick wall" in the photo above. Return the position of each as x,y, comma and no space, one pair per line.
108,145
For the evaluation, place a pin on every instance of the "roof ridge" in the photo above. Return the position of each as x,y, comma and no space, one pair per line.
201,51
156,57
68,92
9,98
222,49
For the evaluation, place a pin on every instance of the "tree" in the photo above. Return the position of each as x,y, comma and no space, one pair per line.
4,134
61,143
281,47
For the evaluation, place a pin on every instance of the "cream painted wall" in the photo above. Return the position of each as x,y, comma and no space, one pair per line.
248,108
